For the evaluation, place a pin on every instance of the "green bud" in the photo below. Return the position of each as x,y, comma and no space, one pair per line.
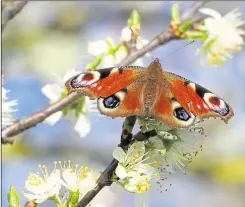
13,198
195,35
94,63
175,15
184,26
110,47
134,20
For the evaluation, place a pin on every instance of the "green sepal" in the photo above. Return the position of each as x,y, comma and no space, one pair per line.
184,26
175,14
195,35
73,199
134,20
13,198
110,46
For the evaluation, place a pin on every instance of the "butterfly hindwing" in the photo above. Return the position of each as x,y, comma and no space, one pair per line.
123,103
168,110
196,99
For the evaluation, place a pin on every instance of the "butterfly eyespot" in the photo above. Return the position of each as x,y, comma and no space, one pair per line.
181,114
111,102
216,104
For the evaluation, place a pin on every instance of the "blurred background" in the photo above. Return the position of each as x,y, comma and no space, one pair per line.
53,36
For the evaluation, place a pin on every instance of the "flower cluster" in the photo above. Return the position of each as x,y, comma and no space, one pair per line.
134,170
76,112
65,186
221,35
156,156
7,109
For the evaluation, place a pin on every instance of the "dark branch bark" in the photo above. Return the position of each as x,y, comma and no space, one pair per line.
10,11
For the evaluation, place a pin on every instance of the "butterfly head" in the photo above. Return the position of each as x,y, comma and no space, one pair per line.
154,70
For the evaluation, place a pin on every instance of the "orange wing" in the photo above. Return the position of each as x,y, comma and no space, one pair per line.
103,82
196,99
168,110
123,103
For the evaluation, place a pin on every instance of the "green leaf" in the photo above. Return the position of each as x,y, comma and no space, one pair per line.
77,106
13,198
134,20
175,14
195,35
110,47
184,26
94,63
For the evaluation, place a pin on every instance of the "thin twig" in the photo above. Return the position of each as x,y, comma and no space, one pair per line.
11,10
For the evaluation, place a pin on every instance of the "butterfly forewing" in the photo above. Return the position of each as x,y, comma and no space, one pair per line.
103,82
196,99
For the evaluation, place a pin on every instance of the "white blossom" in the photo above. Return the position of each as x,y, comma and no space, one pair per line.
126,34
43,187
133,161
78,179
97,47
138,184
54,91
7,109
135,168
171,146
223,35
65,186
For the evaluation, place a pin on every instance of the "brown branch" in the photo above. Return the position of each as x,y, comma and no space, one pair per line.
10,11
30,121
36,118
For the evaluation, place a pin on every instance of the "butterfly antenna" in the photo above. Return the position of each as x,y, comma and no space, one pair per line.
142,44
178,49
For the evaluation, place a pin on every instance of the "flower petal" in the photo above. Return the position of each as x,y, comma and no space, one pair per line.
71,180
97,47
83,126
135,152
119,154
54,118
52,91
210,12
121,171
126,34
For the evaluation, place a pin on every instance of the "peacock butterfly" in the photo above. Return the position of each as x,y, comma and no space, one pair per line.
134,90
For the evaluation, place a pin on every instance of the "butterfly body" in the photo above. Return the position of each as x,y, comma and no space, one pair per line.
132,90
